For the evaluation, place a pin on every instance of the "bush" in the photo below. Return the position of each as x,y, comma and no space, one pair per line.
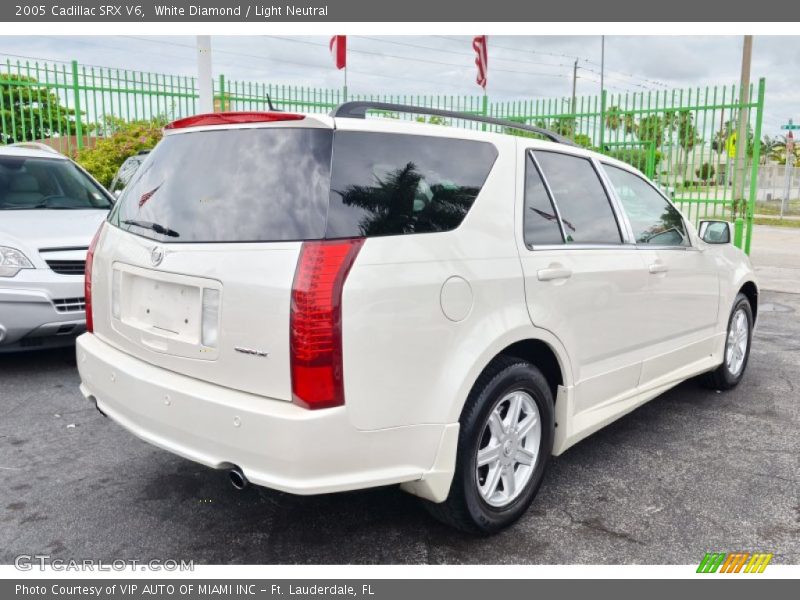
105,158
706,172
635,157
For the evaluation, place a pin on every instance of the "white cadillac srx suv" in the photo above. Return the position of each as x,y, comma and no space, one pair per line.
327,303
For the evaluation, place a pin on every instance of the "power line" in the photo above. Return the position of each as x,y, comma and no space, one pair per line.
262,58
415,59
562,55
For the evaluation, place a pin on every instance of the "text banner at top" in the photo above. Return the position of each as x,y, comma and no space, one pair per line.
462,11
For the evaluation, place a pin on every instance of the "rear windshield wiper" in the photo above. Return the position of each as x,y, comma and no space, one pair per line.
160,229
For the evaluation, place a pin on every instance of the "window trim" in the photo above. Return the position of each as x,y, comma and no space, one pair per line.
621,220
690,246
529,154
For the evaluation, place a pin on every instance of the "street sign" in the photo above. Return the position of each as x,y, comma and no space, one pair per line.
790,126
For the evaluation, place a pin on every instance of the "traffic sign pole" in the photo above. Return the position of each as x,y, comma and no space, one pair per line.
787,171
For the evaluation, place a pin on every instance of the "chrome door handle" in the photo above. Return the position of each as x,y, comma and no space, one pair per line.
658,267
552,273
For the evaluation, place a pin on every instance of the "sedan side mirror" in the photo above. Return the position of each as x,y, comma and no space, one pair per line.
715,232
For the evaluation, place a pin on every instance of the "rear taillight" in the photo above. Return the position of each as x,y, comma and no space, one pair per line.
87,279
316,322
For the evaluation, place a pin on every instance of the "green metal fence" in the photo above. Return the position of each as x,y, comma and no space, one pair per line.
686,140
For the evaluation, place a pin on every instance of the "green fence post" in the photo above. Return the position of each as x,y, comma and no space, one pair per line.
77,105
738,232
751,201
221,94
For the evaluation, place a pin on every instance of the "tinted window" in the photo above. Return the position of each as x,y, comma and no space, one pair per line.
540,219
582,202
389,184
654,220
47,183
266,184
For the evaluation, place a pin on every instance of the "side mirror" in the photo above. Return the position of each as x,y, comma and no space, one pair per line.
715,232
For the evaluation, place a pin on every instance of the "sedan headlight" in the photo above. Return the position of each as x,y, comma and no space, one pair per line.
11,261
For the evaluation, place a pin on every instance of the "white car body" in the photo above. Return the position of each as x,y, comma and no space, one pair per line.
423,316
43,306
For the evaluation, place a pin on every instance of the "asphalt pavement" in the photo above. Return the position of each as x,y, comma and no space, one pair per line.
690,472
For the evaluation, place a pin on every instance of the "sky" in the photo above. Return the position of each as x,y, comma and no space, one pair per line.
520,67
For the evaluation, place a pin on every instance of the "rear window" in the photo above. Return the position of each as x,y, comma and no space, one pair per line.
276,184
392,184
231,185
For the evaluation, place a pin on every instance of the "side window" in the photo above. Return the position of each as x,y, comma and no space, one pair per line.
581,199
394,184
540,220
654,220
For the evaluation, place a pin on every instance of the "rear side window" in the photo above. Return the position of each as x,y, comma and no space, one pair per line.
392,184
231,185
540,218
581,199
654,220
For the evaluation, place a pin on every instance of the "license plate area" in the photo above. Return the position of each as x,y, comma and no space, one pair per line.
161,307
161,312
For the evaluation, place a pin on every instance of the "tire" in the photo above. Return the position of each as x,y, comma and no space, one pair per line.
734,361
471,506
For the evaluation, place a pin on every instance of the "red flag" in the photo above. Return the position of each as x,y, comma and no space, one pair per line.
482,58
338,47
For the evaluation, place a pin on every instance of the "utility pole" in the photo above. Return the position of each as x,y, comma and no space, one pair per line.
740,163
788,170
602,92
204,77
574,85
602,63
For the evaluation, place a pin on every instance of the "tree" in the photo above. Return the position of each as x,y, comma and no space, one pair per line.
778,151
617,119
706,172
651,129
105,158
31,111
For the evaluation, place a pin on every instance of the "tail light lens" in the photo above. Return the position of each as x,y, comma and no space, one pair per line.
316,321
87,279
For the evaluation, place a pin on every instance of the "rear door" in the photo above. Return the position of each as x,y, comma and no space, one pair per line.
583,282
683,286
195,269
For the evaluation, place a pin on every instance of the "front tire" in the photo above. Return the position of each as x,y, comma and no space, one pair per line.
505,441
737,347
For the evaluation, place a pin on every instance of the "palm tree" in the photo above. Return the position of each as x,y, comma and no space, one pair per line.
778,151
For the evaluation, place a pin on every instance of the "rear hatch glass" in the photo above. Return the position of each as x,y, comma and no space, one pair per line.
275,184
231,185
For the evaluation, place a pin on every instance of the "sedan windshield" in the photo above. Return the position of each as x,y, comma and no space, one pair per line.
47,183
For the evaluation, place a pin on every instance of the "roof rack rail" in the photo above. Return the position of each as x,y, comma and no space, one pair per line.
358,110
35,146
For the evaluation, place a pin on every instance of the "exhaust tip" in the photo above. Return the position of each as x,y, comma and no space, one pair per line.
237,478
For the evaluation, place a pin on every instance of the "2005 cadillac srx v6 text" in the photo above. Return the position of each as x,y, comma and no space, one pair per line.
320,303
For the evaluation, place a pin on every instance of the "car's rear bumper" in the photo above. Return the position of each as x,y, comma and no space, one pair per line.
276,444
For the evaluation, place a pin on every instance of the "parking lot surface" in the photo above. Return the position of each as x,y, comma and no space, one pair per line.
692,471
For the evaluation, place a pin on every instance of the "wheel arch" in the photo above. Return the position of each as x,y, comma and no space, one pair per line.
537,346
750,290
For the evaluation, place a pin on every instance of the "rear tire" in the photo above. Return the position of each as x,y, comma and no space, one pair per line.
508,426
737,348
